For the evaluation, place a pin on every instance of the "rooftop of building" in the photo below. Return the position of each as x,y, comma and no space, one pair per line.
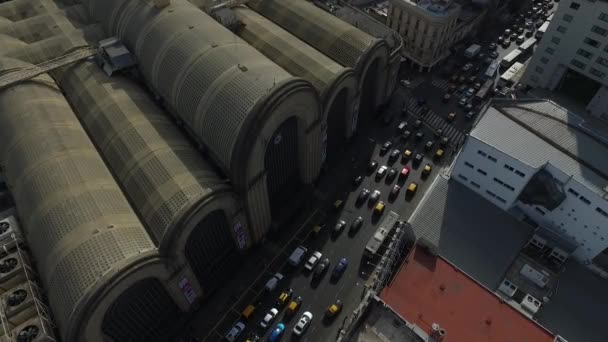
537,132
428,289
468,230
486,243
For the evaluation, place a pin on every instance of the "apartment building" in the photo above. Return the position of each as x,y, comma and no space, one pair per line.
572,56
527,158
430,28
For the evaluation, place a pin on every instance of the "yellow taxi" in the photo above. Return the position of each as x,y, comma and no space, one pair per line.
407,154
249,310
439,153
294,305
411,189
451,116
284,297
427,169
379,209
334,309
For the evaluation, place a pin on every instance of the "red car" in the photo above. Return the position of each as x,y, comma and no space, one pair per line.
404,173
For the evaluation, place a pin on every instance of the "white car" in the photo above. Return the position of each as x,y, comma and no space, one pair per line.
381,171
270,316
406,83
235,331
313,260
302,324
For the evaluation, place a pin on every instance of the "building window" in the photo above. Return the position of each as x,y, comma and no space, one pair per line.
481,153
509,167
575,6
602,61
468,164
500,199
492,159
585,200
584,53
591,42
550,50
490,193
540,211
544,60
603,17
561,29
520,174
597,73
577,64
475,184
568,18
601,211
599,30
462,177
539,70
572,191
555,40
482,172
498,181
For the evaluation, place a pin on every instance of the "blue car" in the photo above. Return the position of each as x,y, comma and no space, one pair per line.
277,332
339,269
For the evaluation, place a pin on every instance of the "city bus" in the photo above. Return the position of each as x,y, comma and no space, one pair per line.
541,31
512,75
482,93
510,59
491,70
527,46
385,228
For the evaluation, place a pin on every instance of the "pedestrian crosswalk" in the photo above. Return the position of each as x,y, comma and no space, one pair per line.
436,122
441,84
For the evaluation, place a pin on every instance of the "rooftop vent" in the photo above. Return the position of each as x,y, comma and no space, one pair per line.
531,304
507,288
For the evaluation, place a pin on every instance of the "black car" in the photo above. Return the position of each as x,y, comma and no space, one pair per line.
429,144
406,135
492,46
372,166
419,135
418,159
363,195
417,124
402,126
321,268
385,147
356,225
394,155
444,141
494,54
391,174
438,133
339,227
357,181
394,192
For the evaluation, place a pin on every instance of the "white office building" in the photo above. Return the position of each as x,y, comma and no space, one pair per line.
538,161
572,56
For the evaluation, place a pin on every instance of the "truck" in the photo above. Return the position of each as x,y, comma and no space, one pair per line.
387,225
491,70
472,51
482,93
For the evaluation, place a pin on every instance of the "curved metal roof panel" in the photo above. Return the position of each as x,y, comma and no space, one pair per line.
81,229
163,174
337,39
46,25
197,65
291,53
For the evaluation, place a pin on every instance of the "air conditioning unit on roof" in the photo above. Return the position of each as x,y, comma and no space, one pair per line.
19,304
507,288
531,304
12,271
8,227
537,242
33,330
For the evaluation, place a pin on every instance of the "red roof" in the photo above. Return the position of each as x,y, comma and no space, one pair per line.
430,290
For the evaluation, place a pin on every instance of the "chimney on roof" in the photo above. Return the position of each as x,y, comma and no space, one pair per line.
437,333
